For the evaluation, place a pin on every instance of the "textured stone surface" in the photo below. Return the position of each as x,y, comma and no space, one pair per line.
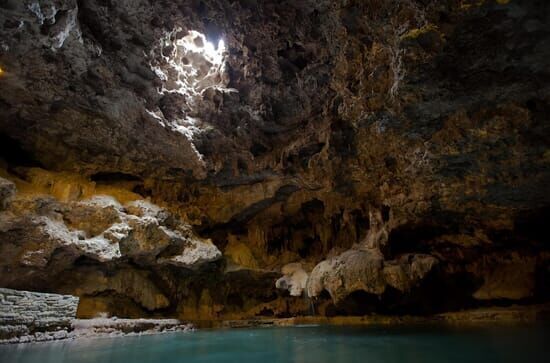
28,315
366,270
39,229
7,192
294,279
103,327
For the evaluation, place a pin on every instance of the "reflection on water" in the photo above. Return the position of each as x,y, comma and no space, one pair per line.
304,344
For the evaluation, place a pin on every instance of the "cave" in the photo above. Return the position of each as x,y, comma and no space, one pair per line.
168,166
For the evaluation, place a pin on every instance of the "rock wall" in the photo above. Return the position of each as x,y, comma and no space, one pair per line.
28,315
396,150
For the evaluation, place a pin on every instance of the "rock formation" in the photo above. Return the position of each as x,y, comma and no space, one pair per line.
294,279
212,159
27,316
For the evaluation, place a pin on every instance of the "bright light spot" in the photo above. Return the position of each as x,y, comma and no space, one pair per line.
190,64
1,71
196,42
191,71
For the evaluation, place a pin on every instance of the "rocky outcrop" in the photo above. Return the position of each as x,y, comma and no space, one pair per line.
42,237
104,327
29,316
294,279
364,270
101,229
132,283
506,277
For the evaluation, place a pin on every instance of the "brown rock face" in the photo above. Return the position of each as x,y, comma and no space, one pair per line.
357,270
373,155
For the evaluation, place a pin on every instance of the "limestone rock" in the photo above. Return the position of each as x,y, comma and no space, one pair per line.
31,316
239,254
128,282
7,192
93,216
37,232
366,270
406,271
196,252
294,279
105,327
353,270
507,277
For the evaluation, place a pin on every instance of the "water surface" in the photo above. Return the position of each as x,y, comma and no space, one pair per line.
315,344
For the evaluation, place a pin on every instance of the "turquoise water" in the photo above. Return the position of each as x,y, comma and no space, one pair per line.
301,345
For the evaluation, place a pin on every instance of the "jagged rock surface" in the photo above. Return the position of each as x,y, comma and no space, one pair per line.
28,316
294,279
42,237
359,270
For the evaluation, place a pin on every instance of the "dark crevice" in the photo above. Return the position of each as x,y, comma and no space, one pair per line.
119,305
358,303
106,177
385,213
15,155
437,293
413,238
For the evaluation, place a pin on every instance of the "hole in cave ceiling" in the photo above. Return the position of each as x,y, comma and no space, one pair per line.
188,66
